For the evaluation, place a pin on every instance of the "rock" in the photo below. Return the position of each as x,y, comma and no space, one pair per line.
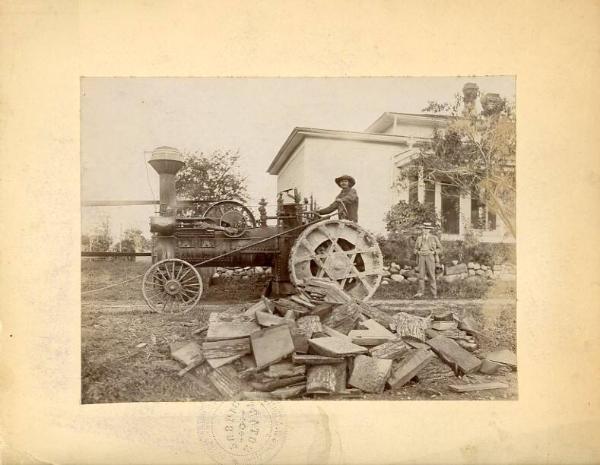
455,262
259,270
229,273
385,282
269,271
476,266
245,277
450,279
484,267
414,326
412,280
215,275
471,272
488,367
394,267
489,274
471,266
480,272
397,277
457,269
386,274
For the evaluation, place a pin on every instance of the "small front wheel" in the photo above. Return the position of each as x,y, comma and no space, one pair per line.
172,286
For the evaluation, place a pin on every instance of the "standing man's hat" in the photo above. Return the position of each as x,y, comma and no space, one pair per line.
350,180
427,226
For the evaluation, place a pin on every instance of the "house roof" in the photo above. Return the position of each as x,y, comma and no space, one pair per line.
422,119
299,134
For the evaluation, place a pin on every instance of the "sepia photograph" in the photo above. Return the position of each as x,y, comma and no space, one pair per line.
298,239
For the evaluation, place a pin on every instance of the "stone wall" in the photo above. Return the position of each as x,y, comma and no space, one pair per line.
454,272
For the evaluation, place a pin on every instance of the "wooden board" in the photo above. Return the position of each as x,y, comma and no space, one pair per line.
381,317
460,360
375,327
370,374
333,333
222,326
271,345
410,325
315,359
186,353
343,318
477,387
368,338
267,319
300,341
227,382
258,306
390,350
285,369
335,347
272,384
289,391
409,368
443,325
226,348
322,311
309,324
505,357
222,361
326,378
414,343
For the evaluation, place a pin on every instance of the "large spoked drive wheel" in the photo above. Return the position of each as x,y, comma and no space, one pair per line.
172,286
341,251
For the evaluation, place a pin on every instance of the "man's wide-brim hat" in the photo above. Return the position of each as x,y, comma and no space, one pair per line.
427,226
350,180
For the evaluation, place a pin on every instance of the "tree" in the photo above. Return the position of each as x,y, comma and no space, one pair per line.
475,152
100,239
403,217
212,176
132,241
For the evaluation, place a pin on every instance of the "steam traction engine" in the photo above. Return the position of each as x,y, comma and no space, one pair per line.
297,248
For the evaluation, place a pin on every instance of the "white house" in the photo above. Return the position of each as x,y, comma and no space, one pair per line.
310,159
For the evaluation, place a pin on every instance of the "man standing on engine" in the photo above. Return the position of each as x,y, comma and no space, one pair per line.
346,201
427,249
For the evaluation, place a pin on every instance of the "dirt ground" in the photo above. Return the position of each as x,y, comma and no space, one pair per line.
126,358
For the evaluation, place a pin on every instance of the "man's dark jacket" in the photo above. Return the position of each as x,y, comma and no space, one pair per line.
346,203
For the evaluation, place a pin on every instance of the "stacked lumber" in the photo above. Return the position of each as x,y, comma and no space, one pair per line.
332,347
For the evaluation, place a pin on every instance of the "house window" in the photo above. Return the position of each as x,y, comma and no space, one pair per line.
430,193
450,209
481,217
413,189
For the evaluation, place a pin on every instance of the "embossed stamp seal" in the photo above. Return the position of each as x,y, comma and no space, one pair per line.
242,432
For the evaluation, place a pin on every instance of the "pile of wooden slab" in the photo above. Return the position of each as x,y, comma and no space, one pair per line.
296,347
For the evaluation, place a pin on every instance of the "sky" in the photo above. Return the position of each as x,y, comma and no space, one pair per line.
124,119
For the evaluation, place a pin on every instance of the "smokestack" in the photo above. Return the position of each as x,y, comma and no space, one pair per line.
167,161
470,94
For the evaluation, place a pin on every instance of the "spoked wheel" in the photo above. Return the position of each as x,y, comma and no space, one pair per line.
340,251
172,286
231,214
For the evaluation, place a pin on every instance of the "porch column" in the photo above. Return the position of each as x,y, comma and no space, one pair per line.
465,213
421,188
438,198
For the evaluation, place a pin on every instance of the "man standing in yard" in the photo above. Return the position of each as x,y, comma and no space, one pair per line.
427,250
346,201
